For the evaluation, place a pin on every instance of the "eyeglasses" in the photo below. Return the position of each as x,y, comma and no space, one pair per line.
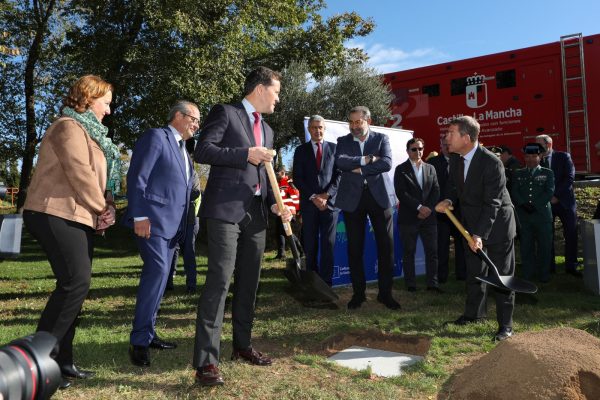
415,149
194,119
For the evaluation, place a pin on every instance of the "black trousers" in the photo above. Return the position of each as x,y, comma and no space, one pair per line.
409,235
445,230
381,220
503,256
69,247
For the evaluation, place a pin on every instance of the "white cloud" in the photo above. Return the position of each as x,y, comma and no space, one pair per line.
390,59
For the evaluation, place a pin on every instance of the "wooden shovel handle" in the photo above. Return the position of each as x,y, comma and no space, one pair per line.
459,226
275,186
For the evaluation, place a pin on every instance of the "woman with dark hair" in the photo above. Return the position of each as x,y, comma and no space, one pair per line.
66,203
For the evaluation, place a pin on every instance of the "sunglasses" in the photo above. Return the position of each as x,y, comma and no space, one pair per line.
415,149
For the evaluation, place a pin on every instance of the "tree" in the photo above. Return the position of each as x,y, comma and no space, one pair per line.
154,52
331,97
32,81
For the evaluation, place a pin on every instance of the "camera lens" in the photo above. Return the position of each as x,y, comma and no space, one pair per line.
27,370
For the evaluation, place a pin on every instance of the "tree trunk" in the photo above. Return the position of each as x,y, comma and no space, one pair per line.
31,140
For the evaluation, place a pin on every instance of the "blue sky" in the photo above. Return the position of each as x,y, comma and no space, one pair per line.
410,34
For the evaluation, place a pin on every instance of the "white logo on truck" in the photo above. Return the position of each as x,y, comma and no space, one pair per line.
476,98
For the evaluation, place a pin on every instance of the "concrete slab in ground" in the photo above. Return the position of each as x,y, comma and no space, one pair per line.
382,363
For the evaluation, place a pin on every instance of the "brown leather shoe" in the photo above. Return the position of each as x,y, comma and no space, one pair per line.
209,375
252,356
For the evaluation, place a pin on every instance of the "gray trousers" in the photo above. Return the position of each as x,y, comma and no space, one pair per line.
233,249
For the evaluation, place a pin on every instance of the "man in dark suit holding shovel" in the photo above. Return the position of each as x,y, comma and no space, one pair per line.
236,142
477,181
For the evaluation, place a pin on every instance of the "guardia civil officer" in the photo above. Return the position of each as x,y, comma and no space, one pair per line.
532,190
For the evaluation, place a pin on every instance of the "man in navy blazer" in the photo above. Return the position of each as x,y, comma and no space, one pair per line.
158,192
317,179
364,157
235,142
478,183
417,189
563,201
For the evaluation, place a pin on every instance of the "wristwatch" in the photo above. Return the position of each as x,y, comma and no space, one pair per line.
370,157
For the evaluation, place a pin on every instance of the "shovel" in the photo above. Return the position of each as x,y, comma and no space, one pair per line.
506,282
309,282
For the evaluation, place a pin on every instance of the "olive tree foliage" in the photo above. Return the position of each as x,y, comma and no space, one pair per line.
154,52
303,95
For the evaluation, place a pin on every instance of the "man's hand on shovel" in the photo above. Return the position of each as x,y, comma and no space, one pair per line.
475,243
286,215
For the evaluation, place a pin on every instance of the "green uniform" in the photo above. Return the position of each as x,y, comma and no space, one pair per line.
531,194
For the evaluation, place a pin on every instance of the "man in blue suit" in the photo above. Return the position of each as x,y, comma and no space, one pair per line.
364,157
317,179
563,201
235,142
158,194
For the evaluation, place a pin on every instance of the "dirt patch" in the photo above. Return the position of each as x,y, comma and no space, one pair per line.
408,344
561,363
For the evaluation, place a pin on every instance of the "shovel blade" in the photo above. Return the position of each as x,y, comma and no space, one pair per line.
316,288
511,283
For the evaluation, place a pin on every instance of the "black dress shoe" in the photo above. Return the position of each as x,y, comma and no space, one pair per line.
64,384
411,289
71,371
252,356
503,334
209,375
139,355
190,290
158,343
356,301
462,320
435,289
389,302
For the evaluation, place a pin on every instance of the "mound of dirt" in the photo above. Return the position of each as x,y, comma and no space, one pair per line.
561,363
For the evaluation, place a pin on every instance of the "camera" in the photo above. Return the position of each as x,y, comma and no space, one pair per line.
27,370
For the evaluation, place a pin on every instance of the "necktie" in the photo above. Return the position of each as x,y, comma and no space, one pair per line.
319,156
461,172
257,138
182,151
546,162
256,129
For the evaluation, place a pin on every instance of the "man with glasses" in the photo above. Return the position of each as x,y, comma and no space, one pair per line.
417,189
364,157
159,183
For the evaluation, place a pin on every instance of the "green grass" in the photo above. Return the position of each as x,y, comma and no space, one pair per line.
283,328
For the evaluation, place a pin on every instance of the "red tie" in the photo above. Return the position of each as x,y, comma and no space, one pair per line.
256,129
319,156
257,137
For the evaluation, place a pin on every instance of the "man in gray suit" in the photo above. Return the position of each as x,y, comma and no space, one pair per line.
364,157
478,182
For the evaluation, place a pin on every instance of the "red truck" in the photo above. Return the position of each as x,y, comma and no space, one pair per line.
551,89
